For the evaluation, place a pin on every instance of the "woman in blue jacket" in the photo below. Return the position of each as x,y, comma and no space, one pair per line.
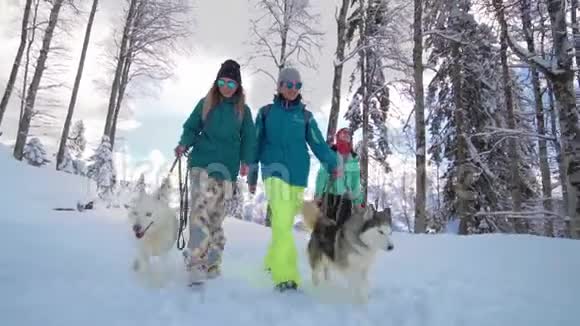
285,130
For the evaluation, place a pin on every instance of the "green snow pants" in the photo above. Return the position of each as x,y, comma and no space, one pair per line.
285,201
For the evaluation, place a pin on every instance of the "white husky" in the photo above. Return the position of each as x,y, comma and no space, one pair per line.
155,226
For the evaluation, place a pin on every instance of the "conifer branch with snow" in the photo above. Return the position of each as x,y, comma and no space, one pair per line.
35,153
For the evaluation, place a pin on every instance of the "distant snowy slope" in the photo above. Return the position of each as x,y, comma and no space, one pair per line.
46,188
70,268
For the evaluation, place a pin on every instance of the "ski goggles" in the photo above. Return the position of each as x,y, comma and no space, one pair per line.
292,84
231,84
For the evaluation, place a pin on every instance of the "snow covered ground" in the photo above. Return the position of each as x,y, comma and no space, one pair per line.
70,268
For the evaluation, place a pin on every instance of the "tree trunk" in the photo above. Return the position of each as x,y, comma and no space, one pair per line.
557,146
31,38
576,36
284,39
122,89
365,110
71,106
119,69
17,60
125,74
461,187
24,125
338,67
421,179
565,96
515,182
540,124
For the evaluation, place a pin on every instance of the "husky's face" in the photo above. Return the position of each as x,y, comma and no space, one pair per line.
376,232
142,214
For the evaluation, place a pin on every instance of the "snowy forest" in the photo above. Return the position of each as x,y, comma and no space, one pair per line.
493,133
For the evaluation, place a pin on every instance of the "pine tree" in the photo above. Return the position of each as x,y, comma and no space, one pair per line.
72,164
164,191
235,205
140,186
375,26
102,170
463,100
67,164
34,152
77,140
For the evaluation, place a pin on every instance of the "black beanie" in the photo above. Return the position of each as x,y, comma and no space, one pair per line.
230,69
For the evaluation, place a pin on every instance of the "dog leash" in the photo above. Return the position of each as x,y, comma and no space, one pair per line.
183,199
325,193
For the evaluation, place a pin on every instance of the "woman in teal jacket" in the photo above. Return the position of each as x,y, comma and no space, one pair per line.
285,129
340,193
221,133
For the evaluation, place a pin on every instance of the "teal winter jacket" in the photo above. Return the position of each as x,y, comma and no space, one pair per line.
348,184
220,142
281,144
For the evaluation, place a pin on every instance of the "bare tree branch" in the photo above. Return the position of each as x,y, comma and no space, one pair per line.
284,34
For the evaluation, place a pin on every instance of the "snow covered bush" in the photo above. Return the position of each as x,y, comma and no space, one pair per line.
72,165
34,152
67,164
235,205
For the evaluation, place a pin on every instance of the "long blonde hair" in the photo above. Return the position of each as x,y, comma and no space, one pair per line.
214,97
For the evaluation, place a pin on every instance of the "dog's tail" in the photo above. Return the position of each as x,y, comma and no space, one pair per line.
310,214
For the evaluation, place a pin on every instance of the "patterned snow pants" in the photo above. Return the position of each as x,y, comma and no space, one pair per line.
206,236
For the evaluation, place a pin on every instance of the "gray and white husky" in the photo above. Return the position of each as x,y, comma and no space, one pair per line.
350,249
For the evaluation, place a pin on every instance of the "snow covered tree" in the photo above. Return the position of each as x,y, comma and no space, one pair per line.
137,188
153,31
459,97
67,163
71,107
235,205
72,161
165,190
377,27
285,34
102,170
528,31
77,139
557,68
469,122
34,152
140,186
17,59
339,61
28,112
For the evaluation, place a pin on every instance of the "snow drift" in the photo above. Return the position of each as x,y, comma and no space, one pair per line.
71,268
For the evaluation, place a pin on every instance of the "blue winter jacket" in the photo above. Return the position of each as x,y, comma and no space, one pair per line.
281,149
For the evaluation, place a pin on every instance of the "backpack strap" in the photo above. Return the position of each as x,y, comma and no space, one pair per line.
264,114
307,117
